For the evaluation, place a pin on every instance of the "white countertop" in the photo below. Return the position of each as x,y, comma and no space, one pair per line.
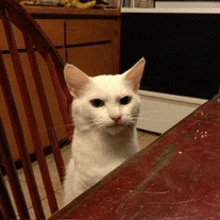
178,7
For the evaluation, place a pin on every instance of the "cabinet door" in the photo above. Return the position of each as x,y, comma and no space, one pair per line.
94,60
54,29
90,30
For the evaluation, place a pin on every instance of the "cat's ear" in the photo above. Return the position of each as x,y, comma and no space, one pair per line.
134,74
76,80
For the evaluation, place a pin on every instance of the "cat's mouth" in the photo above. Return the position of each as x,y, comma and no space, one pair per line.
115,126
114,129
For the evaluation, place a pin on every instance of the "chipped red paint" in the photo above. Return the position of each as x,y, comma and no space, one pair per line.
176,177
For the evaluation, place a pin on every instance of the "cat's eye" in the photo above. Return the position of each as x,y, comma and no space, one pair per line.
97,103
126,100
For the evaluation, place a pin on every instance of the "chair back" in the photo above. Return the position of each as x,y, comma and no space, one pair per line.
26,104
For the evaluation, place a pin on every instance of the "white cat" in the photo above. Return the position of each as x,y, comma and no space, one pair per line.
105,110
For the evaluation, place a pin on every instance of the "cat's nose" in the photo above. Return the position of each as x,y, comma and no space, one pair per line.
115,118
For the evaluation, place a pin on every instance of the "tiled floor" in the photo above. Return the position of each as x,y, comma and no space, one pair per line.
145,139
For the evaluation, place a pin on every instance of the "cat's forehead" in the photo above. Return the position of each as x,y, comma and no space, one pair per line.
107,79
109,85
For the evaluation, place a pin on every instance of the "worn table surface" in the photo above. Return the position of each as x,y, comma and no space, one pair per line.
176,177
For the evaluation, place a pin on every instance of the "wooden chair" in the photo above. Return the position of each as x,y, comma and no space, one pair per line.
36,42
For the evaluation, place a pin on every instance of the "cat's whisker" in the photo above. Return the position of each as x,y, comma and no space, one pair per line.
95,125
56,127
147,119
150,119
100,124
98,128
152,111
61,126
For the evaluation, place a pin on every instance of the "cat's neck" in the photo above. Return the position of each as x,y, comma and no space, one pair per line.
124,143
126,135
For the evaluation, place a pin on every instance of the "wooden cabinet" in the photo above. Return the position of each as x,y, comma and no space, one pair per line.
85,58
89,39
93,30
93,45
54,29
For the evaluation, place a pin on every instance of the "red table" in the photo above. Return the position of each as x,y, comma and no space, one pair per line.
176,177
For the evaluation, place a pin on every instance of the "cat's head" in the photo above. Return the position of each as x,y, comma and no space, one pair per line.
106,102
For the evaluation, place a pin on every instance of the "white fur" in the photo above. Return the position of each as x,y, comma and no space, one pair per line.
100,144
